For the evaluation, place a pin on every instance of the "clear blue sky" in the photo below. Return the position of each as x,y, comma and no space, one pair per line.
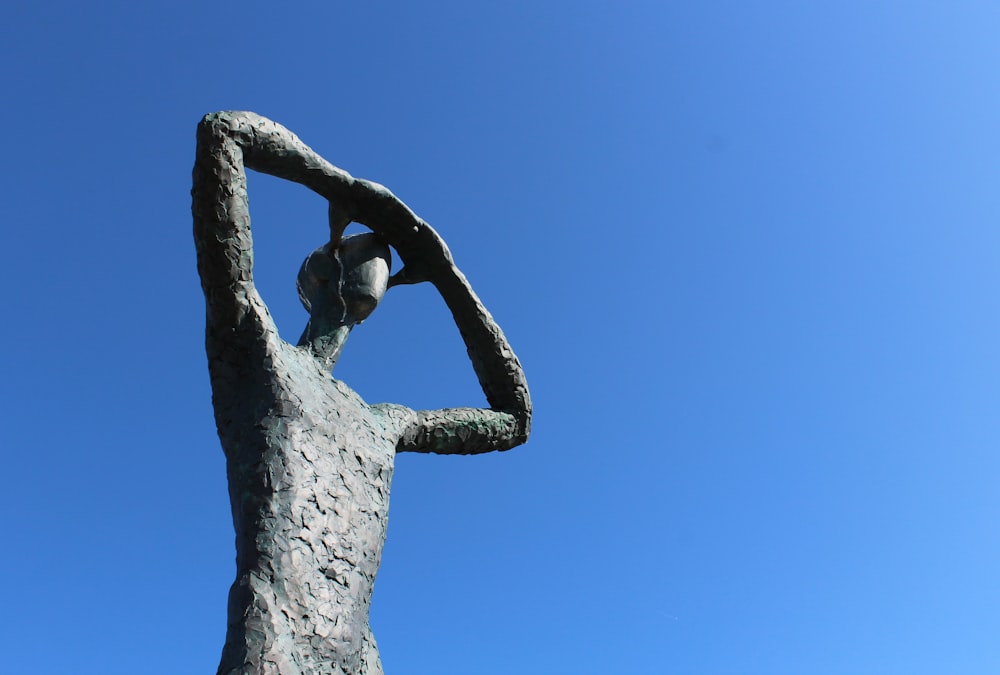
748,254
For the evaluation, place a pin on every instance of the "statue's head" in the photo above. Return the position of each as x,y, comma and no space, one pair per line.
340,286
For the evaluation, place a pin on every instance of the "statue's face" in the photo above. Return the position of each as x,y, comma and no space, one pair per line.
342,286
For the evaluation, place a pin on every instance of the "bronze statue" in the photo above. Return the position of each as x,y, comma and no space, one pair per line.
309,463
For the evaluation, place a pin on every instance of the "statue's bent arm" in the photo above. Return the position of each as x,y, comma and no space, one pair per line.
268,147
507,422
226,142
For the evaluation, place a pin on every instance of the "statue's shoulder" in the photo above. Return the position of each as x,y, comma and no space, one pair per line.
395,418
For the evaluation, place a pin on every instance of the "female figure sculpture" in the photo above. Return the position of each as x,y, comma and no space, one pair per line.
309,463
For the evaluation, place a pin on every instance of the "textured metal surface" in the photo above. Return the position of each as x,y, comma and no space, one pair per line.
309,463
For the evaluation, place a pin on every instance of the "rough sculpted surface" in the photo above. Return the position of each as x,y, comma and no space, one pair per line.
309,463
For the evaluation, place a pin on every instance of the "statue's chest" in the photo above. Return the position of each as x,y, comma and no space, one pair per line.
336,446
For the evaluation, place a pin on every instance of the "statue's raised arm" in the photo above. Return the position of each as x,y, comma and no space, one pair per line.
467,430
226,142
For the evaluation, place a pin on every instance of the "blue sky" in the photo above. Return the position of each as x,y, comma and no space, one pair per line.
747,253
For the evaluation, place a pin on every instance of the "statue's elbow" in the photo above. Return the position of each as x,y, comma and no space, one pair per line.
522,428
211,121
216,125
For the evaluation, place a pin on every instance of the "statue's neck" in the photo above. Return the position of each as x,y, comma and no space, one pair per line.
325,345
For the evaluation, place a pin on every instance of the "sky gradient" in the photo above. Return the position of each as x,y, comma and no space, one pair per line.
747,253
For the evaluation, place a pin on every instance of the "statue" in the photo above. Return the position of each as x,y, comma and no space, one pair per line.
309,463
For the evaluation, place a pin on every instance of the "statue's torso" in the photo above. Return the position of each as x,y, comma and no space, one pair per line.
310,466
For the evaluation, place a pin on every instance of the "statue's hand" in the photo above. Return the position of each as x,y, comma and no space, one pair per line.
425,257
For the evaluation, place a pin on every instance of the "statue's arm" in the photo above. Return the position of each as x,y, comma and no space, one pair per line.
226,143
231,140
507,422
